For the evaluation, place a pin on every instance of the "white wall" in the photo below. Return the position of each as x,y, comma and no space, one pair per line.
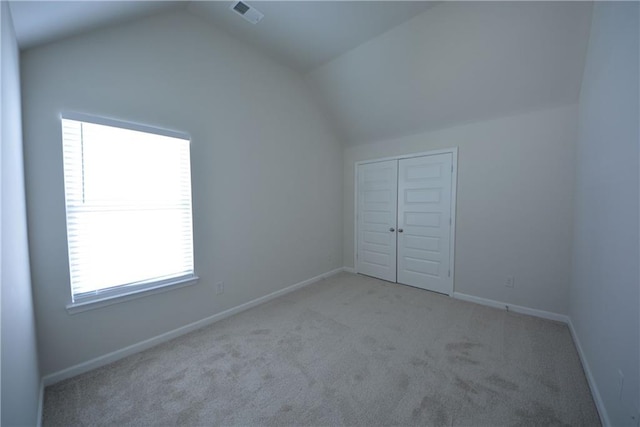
267,175
514,203
19,367
604,294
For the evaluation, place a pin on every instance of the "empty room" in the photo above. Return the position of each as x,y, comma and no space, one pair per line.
316,213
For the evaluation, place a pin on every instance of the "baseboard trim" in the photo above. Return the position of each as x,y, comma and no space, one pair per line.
40,403
349,270
512,307
159,339
602,411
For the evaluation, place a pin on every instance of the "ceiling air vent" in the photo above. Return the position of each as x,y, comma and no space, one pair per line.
249,13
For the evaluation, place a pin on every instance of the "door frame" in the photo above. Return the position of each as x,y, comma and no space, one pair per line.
454,186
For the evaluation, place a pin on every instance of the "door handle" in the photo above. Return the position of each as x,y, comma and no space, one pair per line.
400,230
392,229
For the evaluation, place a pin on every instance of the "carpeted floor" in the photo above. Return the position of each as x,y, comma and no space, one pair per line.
349,350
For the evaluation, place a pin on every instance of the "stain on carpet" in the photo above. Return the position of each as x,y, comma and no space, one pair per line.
462,360
431,412
462,347
286,408
416,361
498,381
538,415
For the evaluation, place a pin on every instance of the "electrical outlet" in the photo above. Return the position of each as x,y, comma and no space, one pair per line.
510,282
219,287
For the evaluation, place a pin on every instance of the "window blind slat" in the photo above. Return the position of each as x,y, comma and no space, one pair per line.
128,201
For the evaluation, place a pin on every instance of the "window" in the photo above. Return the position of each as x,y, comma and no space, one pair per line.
128,201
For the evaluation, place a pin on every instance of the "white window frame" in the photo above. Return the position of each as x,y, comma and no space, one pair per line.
125,292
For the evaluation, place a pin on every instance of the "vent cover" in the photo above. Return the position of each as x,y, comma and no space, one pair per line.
249,13
241,8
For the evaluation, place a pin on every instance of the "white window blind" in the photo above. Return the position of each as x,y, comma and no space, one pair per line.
128,201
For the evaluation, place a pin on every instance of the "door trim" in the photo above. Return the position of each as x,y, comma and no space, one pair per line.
454,187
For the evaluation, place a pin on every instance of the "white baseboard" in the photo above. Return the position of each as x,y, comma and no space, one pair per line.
602,411
515,308
152,342
40,403
604,417
143,345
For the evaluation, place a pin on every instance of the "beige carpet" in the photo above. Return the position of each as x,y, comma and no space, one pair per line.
348,350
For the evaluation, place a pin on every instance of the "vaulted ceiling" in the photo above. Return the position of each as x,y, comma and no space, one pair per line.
457,62
300,34
306,34
40,22
382,69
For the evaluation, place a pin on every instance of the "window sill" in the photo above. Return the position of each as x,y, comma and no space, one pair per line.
99,302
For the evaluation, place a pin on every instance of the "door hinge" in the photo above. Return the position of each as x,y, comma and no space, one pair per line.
449,273
449,220
451,168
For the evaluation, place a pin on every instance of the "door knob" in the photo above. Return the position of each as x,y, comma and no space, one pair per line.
400,230
392,229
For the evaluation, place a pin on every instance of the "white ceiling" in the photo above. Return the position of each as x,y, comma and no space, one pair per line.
383,69
301,34
306,34
458,62
40,22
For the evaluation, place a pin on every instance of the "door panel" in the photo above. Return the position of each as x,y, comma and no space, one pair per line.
377,201
424,214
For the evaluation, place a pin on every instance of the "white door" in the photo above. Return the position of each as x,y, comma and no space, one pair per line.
377,210
424,222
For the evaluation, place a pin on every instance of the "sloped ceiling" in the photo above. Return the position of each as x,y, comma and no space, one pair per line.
305,34
39,22
300,34
454,63
383,69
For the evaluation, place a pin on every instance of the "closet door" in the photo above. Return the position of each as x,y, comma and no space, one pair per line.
424,222
377,197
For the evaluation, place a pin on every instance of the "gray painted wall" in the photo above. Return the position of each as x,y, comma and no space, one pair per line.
604,292
266,172
514,203
268,190
20,373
